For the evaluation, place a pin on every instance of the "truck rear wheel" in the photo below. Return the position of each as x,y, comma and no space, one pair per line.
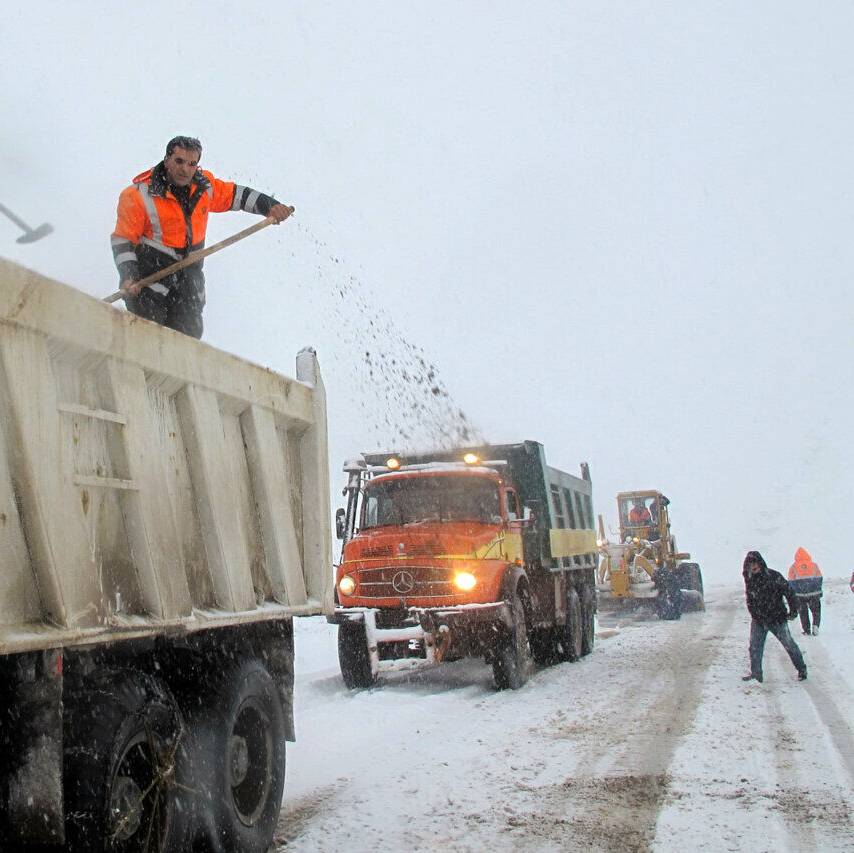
353,656
544,646
572,639
511,662
588,625
235,760
122,732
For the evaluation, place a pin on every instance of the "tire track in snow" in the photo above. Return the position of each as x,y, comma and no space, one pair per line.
796,799
621,780
669,704
663,694
801,836
747,769
837,724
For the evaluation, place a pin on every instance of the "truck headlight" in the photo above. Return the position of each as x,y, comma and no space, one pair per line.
465,581
346,585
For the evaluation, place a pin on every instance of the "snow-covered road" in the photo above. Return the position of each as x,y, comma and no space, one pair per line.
651,743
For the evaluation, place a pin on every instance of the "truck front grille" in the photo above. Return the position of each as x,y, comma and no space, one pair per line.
405,582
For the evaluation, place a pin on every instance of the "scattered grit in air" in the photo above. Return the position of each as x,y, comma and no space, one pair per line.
395,385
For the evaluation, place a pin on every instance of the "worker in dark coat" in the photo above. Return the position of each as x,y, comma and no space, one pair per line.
770,602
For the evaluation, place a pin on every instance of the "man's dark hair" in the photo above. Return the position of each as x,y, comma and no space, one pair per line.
189,143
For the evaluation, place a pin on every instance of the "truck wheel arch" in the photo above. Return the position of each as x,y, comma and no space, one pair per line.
516,578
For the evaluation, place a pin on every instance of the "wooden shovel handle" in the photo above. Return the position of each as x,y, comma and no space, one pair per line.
193,258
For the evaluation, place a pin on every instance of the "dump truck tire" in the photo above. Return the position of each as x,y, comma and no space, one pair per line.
122,731
573,633
511,661
234,760
353,656
544,646
588,624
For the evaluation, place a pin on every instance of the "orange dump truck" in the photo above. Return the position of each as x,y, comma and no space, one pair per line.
483,551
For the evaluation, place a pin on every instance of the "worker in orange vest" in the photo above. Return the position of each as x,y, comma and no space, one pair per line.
805,580
162,217
639,514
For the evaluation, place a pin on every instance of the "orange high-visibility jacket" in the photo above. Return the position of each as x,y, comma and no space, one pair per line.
805,575
154,228
639,515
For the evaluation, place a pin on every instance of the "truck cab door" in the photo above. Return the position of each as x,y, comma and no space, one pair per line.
514,513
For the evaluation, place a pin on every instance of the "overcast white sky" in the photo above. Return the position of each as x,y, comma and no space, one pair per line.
620,228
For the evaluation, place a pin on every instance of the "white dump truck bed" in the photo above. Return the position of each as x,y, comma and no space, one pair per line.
149,483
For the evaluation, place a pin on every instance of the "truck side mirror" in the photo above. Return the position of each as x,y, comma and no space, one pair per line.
527,517
339,523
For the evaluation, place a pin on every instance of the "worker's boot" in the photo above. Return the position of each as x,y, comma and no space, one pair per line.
751,677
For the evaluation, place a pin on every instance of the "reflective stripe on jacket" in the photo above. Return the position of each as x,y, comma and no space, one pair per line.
805,575
155,228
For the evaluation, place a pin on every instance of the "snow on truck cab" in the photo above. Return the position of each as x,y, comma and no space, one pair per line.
483,551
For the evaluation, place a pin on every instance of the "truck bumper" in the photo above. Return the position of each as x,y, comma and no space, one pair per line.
431,618
465,618
464,630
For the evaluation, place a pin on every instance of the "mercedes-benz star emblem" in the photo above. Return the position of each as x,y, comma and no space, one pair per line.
403,582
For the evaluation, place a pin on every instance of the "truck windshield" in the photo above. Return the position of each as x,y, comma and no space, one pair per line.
410,500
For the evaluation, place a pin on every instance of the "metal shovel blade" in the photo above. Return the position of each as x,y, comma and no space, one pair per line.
34,234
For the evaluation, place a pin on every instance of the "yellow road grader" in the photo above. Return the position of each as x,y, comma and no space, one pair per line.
645,567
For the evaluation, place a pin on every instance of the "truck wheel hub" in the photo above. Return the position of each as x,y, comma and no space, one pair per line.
239,760
125,808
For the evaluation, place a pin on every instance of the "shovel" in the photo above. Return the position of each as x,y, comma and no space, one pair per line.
193,258
30,235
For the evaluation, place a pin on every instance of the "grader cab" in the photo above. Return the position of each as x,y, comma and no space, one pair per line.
645,566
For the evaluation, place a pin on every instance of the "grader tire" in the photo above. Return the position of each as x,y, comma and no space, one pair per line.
692,579
669,602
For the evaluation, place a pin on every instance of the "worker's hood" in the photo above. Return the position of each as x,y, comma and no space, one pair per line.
803,558
753,557
803,565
